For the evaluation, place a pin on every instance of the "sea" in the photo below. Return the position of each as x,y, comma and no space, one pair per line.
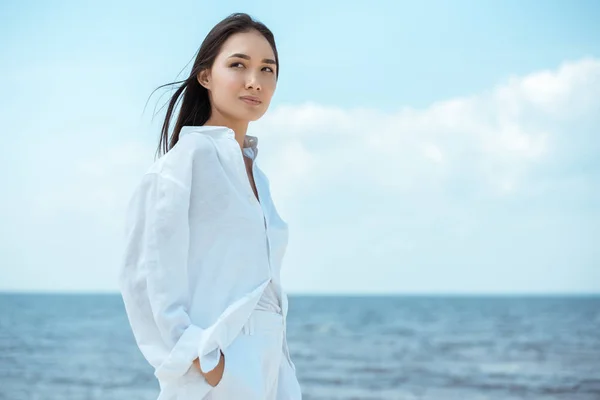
75,346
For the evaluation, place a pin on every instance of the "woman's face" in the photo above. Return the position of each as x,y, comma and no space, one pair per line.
244,70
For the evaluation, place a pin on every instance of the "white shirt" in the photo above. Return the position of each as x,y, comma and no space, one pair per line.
200,252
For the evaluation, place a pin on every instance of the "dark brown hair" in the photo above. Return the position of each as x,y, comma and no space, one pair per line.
196,109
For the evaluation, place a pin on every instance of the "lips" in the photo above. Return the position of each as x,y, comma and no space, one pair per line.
252,100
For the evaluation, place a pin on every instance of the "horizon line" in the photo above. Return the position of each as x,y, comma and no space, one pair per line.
341,294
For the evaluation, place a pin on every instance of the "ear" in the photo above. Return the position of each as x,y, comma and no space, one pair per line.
203,78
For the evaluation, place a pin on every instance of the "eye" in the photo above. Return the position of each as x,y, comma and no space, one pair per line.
269,68
236,63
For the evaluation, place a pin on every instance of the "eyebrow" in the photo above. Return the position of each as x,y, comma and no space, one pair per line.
246,57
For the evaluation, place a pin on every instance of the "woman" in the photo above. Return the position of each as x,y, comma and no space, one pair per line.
204,243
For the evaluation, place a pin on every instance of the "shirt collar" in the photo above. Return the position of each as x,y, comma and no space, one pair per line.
215,131
250,142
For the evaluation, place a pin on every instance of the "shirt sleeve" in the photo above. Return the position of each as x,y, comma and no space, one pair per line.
154,279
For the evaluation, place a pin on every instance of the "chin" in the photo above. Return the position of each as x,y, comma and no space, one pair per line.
256,118
252,116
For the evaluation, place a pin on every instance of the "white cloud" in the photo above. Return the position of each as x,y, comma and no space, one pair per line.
492,140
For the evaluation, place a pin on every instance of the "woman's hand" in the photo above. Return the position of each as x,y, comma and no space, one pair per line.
214,376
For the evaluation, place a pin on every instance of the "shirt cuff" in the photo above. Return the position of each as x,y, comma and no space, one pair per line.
180,359
209,361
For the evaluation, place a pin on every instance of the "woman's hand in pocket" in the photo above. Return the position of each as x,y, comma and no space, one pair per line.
213,377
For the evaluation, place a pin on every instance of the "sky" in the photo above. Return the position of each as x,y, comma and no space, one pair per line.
426,147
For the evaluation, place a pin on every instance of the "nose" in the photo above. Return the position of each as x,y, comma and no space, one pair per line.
252,82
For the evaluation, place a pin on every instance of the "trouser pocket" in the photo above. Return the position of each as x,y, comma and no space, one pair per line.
251,365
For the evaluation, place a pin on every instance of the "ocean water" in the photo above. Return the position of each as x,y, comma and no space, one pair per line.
81,347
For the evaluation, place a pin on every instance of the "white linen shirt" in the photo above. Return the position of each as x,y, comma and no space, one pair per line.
200,250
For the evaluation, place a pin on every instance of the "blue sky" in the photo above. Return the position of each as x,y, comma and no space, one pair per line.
414,147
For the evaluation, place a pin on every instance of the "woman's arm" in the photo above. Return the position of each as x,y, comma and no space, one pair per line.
155,280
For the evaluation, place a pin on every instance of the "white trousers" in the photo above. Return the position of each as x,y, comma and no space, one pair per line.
255,365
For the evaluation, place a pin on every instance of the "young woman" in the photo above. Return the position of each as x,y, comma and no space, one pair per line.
200,276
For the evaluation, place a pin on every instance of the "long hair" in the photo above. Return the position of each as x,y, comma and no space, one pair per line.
195,108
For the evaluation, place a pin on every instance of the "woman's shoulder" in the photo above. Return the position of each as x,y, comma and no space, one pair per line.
191,152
